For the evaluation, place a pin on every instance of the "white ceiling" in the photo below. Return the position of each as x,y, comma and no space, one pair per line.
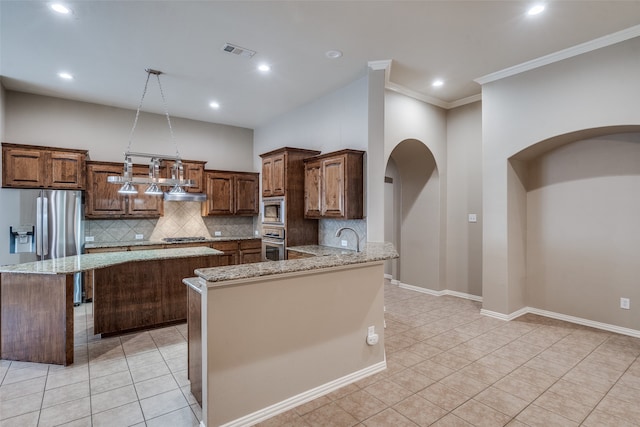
107,45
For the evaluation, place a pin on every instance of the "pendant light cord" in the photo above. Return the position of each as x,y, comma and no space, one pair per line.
164,104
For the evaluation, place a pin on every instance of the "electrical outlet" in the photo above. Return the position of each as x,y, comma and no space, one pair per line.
139,236
625,303
344,243
217,233
89,238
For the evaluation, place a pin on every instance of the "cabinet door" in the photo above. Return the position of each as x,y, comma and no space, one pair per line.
333,170
230,249
141,205
22,168
267,174
312,189
220,193
250,251
246,194
102,198
67,170
273,174
191,170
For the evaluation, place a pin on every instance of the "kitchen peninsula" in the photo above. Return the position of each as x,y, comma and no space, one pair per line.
268,336
132,290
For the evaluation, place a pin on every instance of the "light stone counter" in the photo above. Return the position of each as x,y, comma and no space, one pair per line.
85,262
99,245
327,258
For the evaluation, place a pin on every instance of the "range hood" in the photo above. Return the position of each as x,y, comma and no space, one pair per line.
184,197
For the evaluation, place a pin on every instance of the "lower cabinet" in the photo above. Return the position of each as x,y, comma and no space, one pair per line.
143,294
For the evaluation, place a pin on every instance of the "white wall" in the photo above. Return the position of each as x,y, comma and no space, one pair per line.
592,90
104,131
333,122
409,125
583,231
464,197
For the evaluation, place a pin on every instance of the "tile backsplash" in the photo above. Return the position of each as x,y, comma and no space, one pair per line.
327,232
180,219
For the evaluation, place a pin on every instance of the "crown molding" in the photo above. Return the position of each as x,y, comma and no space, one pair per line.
586,47
388,84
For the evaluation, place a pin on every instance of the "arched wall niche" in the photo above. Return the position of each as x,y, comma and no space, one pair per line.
573,204
415,224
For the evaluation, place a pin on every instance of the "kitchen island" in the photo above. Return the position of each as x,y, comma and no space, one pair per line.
269,336
133,290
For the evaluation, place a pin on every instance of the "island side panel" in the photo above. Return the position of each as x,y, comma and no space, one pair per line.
37,317
143,294
275,338
194,348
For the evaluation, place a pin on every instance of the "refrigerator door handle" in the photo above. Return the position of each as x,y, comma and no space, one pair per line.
42,227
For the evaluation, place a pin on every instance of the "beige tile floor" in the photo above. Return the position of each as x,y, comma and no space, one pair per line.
447,366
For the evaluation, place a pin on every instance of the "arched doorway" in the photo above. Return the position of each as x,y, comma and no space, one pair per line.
412,215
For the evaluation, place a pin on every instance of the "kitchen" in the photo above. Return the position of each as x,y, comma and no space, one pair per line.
326,125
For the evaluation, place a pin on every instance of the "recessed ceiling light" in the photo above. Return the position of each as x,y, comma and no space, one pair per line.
264,68
60,8
535,10
65,76
437,83
333,54
214,105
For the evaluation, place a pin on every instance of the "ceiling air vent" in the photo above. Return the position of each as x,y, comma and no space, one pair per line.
237,50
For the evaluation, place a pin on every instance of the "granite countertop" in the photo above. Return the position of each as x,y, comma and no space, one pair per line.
96,245
84,262
317,250
328,257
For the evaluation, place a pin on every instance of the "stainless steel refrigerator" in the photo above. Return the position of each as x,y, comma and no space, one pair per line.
49,225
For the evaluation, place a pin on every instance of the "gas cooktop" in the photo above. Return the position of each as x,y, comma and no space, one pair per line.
183,239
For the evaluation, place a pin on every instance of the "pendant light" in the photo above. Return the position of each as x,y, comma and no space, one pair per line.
154,181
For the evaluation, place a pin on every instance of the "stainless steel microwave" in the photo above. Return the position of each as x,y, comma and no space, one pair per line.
273,210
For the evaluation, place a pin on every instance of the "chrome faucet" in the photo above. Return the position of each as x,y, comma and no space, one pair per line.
354,232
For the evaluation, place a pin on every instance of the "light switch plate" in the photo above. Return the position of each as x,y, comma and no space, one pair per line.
139,236
217,233
89,238
473,218
344,243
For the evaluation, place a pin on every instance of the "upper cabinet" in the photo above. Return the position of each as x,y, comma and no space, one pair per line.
231,193
273,173
282,170
333,185
29,166
103,200
191,169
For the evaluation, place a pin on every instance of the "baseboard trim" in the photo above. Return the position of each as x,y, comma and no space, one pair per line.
440,293
585,322
307,396
388,276
508,317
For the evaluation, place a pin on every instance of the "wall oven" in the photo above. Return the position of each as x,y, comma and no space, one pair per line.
273,210
273,243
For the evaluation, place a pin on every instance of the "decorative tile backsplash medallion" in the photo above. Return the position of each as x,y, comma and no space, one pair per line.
181,219
327,232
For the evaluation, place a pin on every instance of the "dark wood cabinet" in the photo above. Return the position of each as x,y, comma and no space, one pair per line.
250,251
334,185
230,249
231,193
192,169
30,166
273,175
103,200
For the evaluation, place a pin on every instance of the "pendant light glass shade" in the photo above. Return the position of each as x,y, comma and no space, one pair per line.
127,188
153,190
